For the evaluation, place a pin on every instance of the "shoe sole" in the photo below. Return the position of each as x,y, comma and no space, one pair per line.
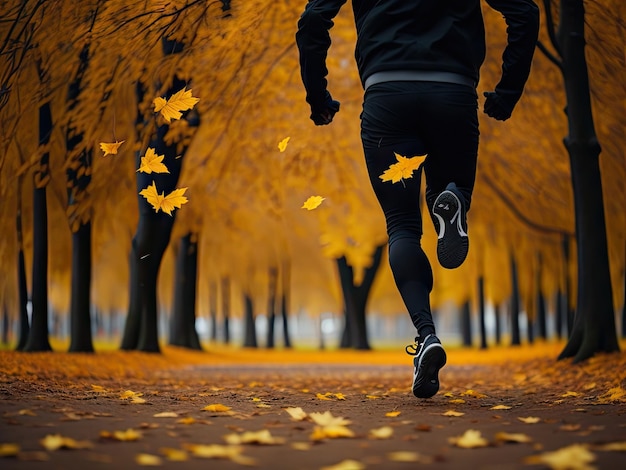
431,361
452,240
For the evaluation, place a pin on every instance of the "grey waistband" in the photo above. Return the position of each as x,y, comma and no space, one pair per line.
418,75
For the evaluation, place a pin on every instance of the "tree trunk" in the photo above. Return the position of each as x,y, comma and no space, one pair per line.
466,323
38,334
130,337
5,324
80,316
355,300
559,314
568,308
22,288
594,324
481,312
515,331
497,324
284,302
213,310
226,308
183,319
271,305
250,325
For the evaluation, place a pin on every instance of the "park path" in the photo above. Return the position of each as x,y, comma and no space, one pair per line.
489,414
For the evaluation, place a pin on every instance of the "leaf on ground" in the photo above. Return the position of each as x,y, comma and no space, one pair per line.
452,413
312,202
472,438
129,394
55,441
408,456
301,446
26,412
530,420
9,449
327,419
457,401
346,465
171,108
611,446
570,394
393,414
574,457
148,460
282,145
110,148
296,413
513,437
99,389
129,434
166,414
569,427
187,420
322,396
331,432
174,455
216,451
152,163
473,393
263,437
384,432
216,408
500,407
613,394
403,169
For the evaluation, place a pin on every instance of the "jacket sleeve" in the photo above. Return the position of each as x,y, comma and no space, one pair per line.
522,19
313,41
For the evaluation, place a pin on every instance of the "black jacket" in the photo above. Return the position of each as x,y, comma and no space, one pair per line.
423,35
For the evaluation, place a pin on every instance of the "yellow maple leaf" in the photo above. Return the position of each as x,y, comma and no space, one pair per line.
110,148
178,102
327,419
331,432
312,202
297,413
469,440
403,169
263,437
125,436
473,393
152,163
574,457
167,204
148,460
323,396
216,407
282,145
129,394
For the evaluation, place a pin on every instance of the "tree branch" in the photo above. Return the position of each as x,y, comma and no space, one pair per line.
551,57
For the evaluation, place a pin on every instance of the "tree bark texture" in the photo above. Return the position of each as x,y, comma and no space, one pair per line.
515,299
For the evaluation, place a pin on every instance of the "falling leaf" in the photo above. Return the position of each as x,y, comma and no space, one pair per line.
500,407
327,419
512,437
263,437
452,413
403,169
166,414
530,420
9,449
110,148
179,101
393,414
174,455
167,204
148,460
312,202
574,457
152,163
384,432
297,414
346,465
469,440
216,407
282,145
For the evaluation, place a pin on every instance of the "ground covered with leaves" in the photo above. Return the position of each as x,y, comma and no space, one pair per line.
502,408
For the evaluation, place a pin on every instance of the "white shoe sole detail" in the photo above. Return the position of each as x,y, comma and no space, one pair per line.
423,353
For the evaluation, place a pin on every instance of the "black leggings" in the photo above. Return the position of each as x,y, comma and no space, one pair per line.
417,118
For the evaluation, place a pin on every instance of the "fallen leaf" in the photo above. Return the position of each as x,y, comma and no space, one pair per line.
296,414
384,432
215,451
263,437
129,394
331,432
99,389
611,446
613,394
152,163
54,442
166,414
393,414
500,407
322,396
408,456
346,465
301,445
282,145
513,437
174,455
452,413
574,457
186,420
570,394
327,419
473,393
312,202
457,401
216,407
569,427
530,420
110,148
148,460
171,108
9,449
26,412
127,435
469,440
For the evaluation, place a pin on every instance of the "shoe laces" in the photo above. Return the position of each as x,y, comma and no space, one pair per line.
411,349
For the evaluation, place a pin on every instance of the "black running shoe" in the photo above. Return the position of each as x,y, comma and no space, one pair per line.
449,217
429,358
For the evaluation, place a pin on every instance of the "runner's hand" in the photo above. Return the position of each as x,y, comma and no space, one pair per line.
325,116
500,105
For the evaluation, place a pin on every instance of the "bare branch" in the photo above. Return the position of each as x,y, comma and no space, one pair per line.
551,57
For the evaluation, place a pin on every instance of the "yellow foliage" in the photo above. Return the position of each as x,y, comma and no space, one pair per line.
171,108
110,148
152,163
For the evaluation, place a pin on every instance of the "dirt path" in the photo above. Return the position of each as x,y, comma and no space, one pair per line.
165,409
